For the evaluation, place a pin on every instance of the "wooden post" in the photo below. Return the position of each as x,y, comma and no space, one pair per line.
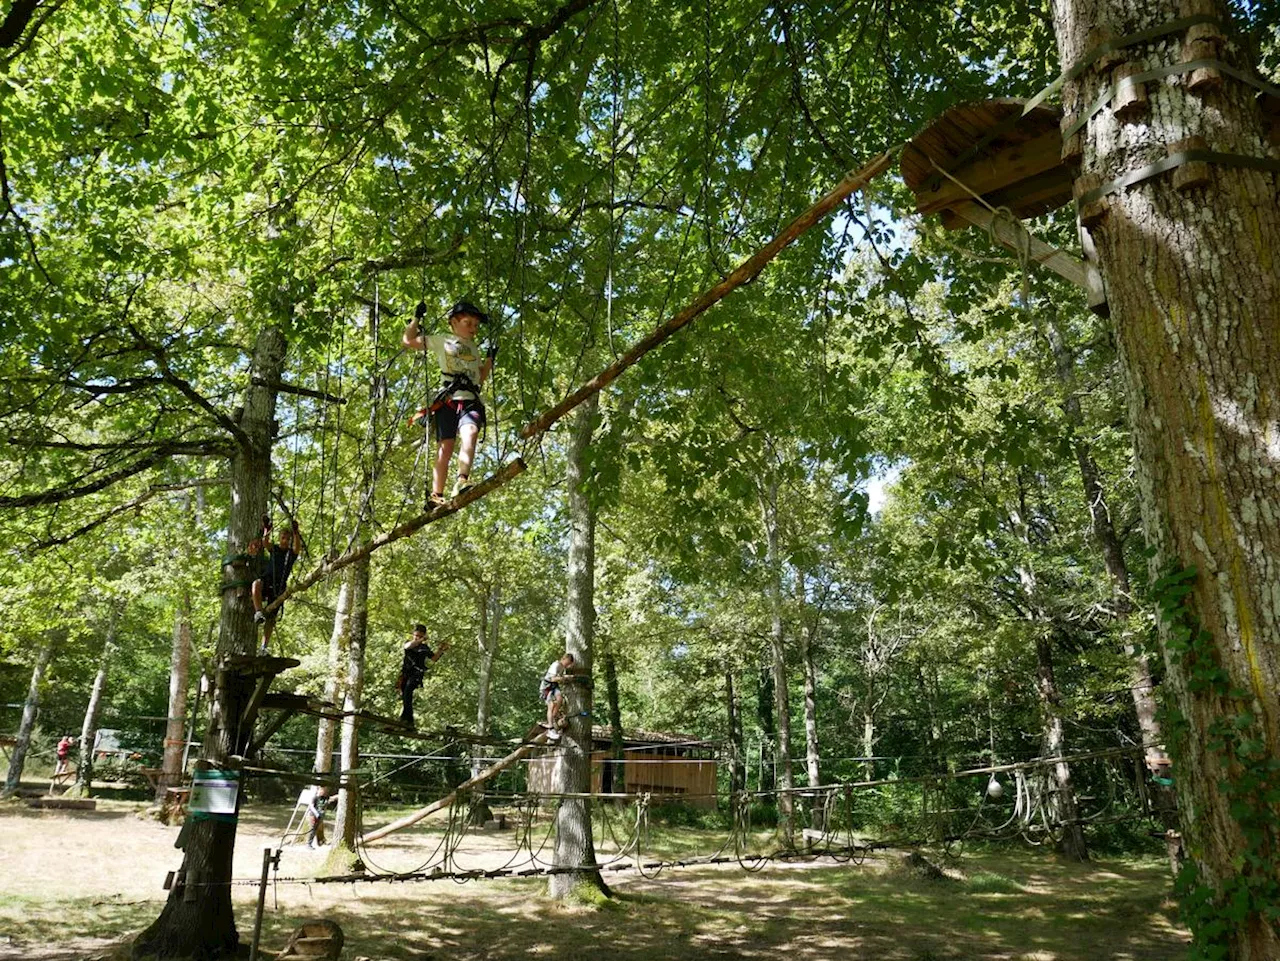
267,861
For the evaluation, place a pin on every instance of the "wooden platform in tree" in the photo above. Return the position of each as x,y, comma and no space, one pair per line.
1008,158
1005,158
300,704
251,665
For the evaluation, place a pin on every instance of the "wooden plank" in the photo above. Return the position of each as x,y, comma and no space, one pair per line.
268,729
252,665
251,709
1036,195
746,271
1016,237
995,172
64,803
491,771
327,567
289,701
293,777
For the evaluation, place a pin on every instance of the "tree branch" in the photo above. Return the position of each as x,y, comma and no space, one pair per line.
423,256
124,508
15,23
284,388
18,441
59,495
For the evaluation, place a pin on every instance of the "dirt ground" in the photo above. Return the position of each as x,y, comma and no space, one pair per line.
73,884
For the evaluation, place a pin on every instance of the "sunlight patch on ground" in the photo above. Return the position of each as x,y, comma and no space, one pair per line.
1002,906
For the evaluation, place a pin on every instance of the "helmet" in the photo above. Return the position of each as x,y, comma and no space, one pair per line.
466,307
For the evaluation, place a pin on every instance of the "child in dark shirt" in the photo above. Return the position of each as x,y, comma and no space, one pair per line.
276,566
413,669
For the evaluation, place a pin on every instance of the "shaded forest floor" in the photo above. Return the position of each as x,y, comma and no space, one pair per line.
73,883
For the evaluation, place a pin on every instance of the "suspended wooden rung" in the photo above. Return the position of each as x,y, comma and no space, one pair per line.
300,704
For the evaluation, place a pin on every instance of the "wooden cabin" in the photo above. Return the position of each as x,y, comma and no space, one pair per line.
675,767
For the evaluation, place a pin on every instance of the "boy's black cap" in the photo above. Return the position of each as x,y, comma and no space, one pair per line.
466,307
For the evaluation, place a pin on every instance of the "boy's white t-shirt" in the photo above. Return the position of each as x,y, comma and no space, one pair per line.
456,355
548,679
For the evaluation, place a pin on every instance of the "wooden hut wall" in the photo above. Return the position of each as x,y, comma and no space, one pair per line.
688,778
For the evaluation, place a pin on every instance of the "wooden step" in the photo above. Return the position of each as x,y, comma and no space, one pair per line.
64,803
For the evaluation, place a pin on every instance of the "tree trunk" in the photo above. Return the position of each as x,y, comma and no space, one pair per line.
1104,533
1189,260
575,847
487,636
811,754
737,750
333,682
346,823
89,729
778,652
175,726
613,778
868,741
1073,845
197,919
1055,745
30,711
929,697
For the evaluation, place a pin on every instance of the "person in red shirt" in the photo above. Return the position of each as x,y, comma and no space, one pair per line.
64,754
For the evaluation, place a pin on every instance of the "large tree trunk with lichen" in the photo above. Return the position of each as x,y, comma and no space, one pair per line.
1189,261
197,919
175,725
30,711
89,727
575,853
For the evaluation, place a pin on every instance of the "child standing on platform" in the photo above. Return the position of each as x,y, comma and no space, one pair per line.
456,411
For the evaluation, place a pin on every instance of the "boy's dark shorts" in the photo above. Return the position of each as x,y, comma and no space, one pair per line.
267,598
457,413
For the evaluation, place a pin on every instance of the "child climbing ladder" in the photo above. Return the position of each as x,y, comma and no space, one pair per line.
456,410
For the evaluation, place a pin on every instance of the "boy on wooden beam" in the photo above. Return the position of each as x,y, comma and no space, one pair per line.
456,411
